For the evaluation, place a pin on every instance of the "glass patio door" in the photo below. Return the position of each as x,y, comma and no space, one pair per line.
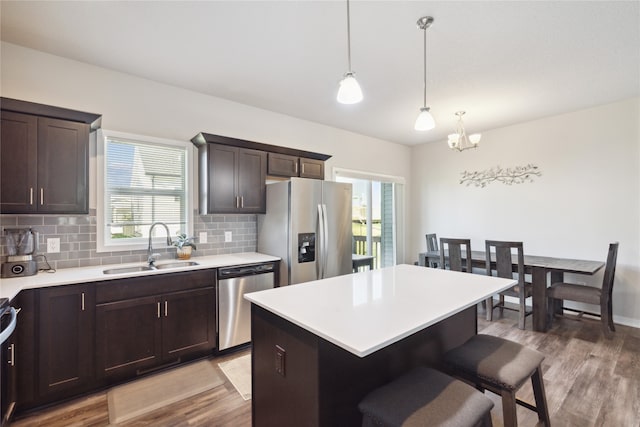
375,217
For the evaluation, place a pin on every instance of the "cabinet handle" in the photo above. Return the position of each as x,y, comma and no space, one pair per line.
12,349
41,196
237,202
242,202
82,301
158,309
166,309
31,195
303,168
295,167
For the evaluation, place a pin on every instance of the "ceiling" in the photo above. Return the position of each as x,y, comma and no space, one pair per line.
503,62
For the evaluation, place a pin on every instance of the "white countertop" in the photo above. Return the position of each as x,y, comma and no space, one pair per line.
10,287
367,311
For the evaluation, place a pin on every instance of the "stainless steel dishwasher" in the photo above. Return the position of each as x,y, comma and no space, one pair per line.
234,312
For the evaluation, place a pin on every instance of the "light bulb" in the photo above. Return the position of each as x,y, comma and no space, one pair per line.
425,120
349,91
475,138
453,140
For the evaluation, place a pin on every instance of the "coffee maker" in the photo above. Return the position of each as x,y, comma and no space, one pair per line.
22,245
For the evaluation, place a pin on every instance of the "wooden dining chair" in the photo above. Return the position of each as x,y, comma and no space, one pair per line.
454,260
504,267
558,292
432,245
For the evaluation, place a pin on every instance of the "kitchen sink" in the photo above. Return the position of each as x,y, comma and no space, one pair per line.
176,264
128,269
141,268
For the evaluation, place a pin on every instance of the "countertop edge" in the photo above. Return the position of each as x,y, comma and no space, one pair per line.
10,287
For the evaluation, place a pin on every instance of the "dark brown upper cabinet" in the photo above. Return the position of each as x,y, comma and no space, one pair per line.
44,157
292,166
233,171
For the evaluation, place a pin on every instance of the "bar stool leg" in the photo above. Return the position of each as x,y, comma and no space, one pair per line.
509,408
539,394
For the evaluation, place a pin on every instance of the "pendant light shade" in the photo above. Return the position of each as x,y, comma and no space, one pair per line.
349,91
425,119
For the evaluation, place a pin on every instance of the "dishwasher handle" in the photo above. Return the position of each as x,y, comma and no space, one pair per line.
245,270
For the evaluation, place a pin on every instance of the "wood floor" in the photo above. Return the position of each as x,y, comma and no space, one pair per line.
589,380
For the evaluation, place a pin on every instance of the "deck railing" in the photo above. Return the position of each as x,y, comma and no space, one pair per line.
360,248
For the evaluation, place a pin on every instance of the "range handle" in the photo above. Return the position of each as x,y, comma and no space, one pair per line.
6,333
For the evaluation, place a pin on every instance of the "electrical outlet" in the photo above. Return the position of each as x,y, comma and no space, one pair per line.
280,362
227,237
202,237
53,245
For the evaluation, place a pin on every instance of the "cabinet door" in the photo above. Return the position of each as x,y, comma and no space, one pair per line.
188,323
282,165
223,187
128,337
66,339
252,175
63,157
18,148
310,168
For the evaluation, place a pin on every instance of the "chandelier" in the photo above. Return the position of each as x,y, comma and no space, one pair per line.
460,141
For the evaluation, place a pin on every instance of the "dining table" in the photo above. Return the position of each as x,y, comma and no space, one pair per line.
539,267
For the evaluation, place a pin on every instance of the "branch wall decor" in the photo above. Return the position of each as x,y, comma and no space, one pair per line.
508,176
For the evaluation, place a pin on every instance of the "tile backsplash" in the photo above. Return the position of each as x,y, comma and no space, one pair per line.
77,234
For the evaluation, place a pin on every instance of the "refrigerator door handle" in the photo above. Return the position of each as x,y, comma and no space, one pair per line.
320,244
325,241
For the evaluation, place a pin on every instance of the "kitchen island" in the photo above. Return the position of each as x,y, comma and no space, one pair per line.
320,347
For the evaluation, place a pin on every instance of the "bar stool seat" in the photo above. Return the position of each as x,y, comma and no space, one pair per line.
425,397
501,366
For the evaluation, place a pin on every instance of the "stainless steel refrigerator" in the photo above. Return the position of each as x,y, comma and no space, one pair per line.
308,226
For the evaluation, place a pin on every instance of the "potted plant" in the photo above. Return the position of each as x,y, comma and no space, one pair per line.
184,245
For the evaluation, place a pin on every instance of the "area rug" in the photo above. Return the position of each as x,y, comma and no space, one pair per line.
145,395
238,371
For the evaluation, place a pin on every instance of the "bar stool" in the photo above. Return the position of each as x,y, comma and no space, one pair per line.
502,367
425,397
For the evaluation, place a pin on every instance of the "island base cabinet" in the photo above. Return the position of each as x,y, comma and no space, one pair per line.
316,383
66,328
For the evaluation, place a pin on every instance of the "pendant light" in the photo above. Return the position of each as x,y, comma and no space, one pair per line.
425,119
349,91
460,141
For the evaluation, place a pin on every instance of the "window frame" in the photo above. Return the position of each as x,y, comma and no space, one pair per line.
141,243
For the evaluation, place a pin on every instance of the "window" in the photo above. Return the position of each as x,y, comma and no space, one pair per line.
141,180
376,215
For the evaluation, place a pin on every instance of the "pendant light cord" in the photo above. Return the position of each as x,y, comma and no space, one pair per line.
348,36
424,87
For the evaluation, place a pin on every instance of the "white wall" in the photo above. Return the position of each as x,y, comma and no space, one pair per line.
588,194
135,105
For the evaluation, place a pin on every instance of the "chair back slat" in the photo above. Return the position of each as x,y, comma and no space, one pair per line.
432,242
610,269
453,248
504,259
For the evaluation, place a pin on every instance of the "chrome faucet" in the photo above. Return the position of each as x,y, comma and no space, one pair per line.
151,257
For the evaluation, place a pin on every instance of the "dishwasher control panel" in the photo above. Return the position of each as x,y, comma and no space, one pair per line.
245,270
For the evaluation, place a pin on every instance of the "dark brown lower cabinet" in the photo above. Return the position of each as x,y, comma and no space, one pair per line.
66,340
128,336
140,334
74,339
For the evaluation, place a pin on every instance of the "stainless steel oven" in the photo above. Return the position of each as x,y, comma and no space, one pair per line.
234,312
